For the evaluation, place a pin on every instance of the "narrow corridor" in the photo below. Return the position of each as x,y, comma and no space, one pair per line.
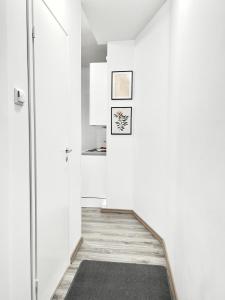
112,237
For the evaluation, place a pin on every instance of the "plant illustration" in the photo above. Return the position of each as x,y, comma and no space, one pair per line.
121,122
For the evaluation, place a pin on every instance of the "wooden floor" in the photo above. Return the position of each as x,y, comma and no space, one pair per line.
112,237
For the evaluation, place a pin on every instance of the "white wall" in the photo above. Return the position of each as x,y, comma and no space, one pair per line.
120,148
187,207
4,170
151,123
19,203
198,92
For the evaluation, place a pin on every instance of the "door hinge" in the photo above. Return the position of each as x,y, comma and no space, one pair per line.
36,282
33,33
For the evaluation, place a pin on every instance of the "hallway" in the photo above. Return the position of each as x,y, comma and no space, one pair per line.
112,237
112,127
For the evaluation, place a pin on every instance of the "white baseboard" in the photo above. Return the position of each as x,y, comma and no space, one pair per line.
93,202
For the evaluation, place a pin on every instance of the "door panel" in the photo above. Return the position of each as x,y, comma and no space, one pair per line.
51,89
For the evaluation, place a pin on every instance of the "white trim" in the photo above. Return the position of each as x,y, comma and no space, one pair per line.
32,147
93,202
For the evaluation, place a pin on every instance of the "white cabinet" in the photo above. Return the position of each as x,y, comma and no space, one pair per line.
93,176
98,93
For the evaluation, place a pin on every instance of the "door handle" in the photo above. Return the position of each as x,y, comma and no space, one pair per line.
68,150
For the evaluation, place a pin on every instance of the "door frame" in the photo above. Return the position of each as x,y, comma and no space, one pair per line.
32,147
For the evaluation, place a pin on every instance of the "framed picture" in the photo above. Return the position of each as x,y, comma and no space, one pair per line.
122,85
121,120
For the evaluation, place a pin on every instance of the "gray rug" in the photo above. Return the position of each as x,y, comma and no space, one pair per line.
96,280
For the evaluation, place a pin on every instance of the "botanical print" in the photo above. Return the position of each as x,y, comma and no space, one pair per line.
121,120
122,85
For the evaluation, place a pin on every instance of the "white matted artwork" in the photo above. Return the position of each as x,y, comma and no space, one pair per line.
122,85
121,120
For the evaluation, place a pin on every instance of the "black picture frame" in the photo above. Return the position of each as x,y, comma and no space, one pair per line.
131,120
131,87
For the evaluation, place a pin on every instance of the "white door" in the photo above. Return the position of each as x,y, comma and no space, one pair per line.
51,90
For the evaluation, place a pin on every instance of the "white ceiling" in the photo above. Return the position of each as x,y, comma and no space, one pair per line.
91,51
114,20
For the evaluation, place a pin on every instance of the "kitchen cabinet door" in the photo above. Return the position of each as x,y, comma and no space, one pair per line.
93,173
98,93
